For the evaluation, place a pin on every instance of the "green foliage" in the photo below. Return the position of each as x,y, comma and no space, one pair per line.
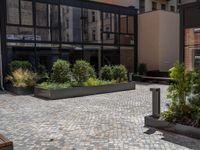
142,69
22,78
61,71
182,86
95,82
82,70
16,64
120,73
185,83
52,85
107,73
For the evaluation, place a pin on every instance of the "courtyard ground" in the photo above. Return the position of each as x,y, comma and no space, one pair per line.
108,121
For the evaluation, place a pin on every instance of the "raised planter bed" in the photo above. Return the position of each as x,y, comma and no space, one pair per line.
176,128
52,94
5,144
20,90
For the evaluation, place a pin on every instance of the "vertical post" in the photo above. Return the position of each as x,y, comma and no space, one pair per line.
130,77
155,102
182,35
4,52
135,43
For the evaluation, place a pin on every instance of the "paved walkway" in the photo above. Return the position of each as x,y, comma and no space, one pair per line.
109,121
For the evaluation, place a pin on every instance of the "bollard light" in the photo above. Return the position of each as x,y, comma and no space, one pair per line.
155,102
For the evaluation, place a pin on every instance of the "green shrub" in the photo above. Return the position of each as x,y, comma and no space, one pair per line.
107,73
82,70
120,73
52,85
61,71
179,90
142,69
22,78
95,82
179,110
16,64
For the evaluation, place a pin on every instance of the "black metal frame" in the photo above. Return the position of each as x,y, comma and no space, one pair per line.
103,8
185,23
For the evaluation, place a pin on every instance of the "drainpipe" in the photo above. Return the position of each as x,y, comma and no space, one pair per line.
1,73
1,67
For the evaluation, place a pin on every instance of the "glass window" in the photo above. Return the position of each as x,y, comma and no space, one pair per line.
163,6
42,17
142,6
71,24
192,42
94,35
12,11
26,13
43,34
93,16
91,30
172,8
154,6
20,33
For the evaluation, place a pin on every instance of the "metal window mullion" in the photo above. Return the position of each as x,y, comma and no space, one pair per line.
135,27
127,24
34,25
20,16
110,22
59,22
102,42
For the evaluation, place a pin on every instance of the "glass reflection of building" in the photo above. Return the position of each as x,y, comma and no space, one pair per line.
42,31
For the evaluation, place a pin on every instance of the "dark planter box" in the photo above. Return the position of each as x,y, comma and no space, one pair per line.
176,128
20,90
82,91
5,144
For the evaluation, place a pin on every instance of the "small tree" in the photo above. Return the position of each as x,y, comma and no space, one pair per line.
120,73
82,71
182,86
61,71
107,73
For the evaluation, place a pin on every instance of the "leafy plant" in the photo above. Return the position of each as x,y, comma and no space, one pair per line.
22,78
51,85
120,73
16,64
61,71
142,69
82,70
179,90
107,73
179,111
95,82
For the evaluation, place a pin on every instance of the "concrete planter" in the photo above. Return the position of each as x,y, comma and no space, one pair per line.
176,128
52,94
20,90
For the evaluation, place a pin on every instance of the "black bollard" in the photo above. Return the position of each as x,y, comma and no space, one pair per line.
155,102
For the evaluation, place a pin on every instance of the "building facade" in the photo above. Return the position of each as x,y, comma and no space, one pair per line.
158,36
190,33
146,5
42,31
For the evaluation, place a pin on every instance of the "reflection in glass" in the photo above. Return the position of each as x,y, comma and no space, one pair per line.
12,11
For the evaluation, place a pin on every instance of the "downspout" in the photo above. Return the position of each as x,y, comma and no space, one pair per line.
1,67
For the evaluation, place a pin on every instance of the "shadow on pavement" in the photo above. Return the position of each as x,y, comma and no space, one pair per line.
176,139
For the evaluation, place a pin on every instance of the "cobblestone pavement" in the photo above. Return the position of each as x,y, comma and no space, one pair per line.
108,121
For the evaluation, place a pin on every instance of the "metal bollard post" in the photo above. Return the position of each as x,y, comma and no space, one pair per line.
130,77
155,102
